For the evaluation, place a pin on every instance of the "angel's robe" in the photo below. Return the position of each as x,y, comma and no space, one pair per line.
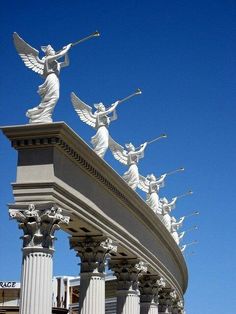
49,92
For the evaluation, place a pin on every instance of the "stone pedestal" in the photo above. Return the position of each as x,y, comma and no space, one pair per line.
93,252
38,226
127,273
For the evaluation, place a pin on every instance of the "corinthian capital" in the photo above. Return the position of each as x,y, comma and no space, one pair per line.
93,252
178,306
148,286
39,225
128,272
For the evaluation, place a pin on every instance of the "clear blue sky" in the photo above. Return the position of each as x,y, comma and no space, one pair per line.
182,54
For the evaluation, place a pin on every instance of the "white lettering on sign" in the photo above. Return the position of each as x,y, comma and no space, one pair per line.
9,284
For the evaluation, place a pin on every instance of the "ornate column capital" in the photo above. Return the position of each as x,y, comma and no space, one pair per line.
149,286
128,272
178,306
93,252
39,225
164,300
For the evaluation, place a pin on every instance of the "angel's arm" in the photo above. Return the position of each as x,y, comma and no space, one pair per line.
112,108
59,54
162,178
183,247
178,224
66,62
181,220
172,203
114,116
142,147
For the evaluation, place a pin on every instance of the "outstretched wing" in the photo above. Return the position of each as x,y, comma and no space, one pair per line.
118,151
143,184
28,54
84,111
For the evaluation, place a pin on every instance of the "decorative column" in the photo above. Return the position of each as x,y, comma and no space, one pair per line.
178,307
164,301
39,226
149,286
93,252
128,272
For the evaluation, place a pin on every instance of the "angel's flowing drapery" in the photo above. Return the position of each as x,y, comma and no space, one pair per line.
49,92
129,158
153,202
150,185
99,120
166,219
175,235
100,141
131,176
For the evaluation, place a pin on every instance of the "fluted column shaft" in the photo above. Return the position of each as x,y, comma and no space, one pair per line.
36,292
127,273
93,252
92,293
39,226
127,302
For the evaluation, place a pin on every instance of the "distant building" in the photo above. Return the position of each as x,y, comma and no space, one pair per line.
65,298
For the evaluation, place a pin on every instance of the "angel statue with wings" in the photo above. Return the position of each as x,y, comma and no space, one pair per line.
166,208
99,120
49,68
175,227
151,185
129,157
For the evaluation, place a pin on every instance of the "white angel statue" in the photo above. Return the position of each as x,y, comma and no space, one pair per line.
49,68
166,208
151,186
129,157
175,227
100,120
